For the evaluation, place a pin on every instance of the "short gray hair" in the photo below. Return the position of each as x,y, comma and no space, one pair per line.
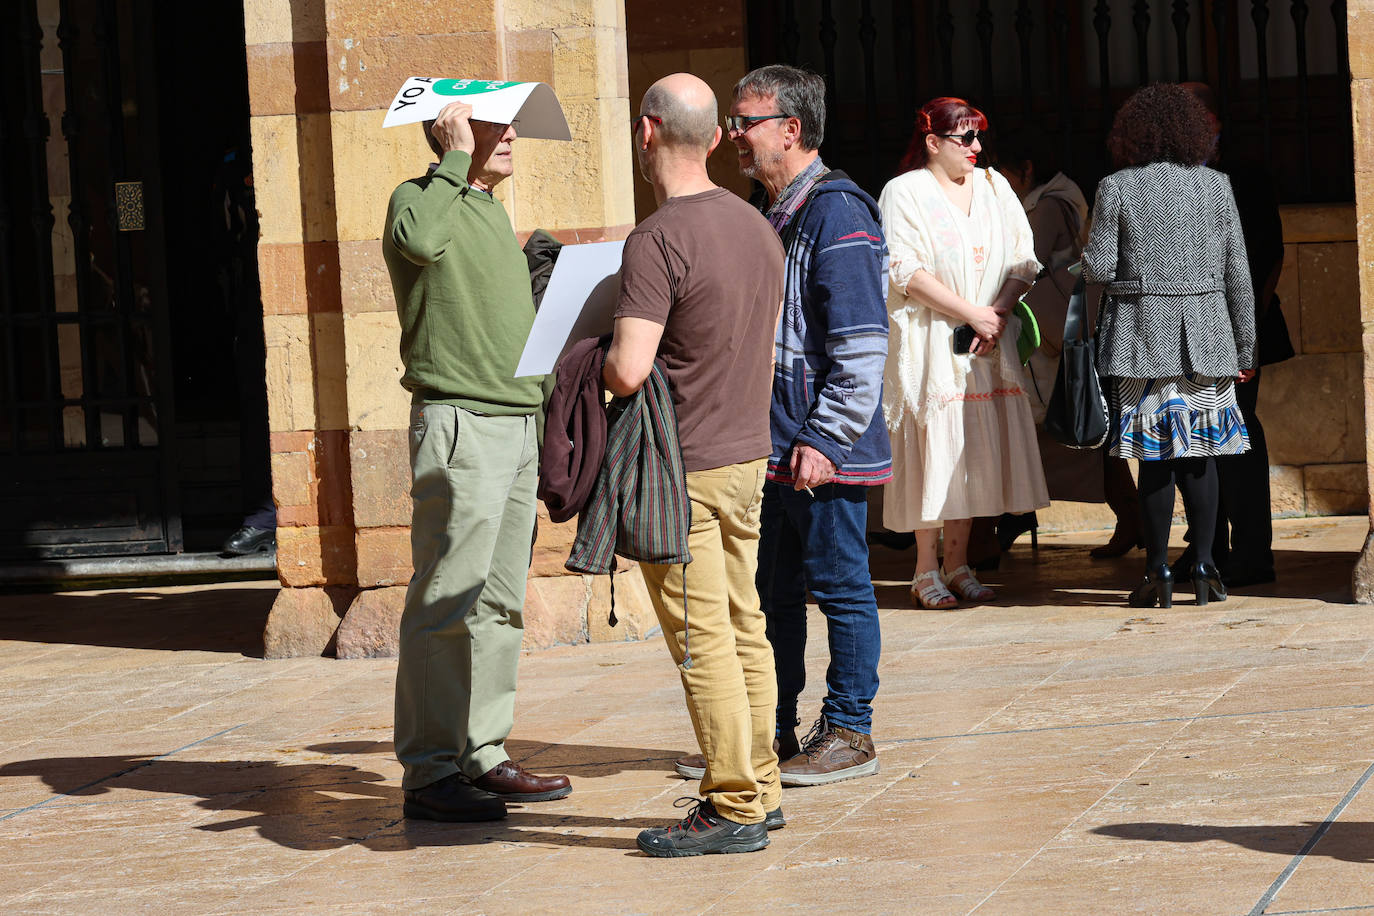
800,94
686,126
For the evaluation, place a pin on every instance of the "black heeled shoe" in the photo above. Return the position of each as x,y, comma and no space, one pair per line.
1010,527
1207,582
1157,587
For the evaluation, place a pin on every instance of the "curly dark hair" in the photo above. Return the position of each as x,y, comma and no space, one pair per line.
1163,122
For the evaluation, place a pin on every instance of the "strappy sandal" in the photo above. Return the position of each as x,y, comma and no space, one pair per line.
967,585
928,590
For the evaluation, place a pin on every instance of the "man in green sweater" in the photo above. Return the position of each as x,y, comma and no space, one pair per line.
463,296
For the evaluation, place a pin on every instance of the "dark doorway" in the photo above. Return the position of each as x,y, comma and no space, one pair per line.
119,407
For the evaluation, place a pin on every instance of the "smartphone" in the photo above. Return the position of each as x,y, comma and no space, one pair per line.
963,338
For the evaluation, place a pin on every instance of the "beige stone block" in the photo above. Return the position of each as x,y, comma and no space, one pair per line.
618,175
585,183
1336,489
1070,516
316,556
1329,290
370,163
283,20
663,26
375,18
1306,223
383,556
587,64
290,372
1362,577
376,399
562,14
1287,497
553,543
635,616
1289,299
302,622
381,477
556,611
1313,409
276,176
372,626
331,384
286,78
291,479
319,177
365,285
364,73
529,56
1361,26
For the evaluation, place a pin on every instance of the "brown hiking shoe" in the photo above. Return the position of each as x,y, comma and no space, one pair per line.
830,754
693,766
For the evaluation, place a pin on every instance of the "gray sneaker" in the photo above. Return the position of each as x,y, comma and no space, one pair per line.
693,766
702,832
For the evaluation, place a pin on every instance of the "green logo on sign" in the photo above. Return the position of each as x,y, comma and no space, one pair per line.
468,87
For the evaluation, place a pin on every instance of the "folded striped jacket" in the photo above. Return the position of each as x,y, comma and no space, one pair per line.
639,507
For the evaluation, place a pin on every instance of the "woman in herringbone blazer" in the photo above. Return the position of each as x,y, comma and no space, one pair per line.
1177,322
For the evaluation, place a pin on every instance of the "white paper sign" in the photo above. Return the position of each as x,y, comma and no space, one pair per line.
534,105
578,302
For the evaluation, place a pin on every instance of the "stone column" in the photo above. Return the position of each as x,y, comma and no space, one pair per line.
321,73
1360,20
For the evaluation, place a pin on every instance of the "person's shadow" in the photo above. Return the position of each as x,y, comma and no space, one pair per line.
1346,841
320,806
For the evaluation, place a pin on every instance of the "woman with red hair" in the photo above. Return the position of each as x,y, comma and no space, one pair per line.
963,441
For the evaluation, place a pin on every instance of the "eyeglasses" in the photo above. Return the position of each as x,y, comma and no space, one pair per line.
634,122
738,124
967,138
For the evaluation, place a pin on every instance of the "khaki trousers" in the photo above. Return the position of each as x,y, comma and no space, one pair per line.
473,517
731,689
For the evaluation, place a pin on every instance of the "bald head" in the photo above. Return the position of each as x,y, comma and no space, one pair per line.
687,107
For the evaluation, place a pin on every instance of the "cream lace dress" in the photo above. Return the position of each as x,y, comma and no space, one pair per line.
963,441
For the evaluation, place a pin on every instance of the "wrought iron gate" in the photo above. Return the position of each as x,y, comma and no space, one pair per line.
85,404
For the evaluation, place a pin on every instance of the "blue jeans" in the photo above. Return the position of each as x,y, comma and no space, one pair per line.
817,543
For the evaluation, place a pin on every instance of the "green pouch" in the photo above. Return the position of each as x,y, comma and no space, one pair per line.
1029,339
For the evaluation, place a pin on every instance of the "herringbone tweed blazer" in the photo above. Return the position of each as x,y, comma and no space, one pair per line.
1166,240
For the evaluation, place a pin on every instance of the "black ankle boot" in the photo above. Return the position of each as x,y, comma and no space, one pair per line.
1207,580
1158,586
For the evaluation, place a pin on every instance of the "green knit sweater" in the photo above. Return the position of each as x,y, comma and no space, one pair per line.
462,290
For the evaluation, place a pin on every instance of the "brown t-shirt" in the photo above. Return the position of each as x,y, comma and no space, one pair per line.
709,268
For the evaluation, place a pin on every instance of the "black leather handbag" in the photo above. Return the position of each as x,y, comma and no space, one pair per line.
1077,412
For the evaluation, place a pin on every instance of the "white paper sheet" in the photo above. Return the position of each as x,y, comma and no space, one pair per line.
579,301
534,105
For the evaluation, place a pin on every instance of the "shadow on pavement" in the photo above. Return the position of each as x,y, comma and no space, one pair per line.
228,619
1347,841
311,806
581,760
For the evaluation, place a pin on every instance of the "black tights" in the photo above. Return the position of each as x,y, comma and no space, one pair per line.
1197,478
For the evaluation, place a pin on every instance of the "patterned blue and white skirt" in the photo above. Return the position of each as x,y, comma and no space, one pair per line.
1187,416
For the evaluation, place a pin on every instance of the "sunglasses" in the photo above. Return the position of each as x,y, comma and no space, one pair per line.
634,122
967,138
738,124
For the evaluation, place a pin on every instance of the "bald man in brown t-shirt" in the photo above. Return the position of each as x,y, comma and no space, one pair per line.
701,286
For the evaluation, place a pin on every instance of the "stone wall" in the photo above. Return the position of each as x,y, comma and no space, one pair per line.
1360,21
321,73
707,39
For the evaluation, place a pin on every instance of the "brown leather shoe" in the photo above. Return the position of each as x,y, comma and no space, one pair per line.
452,798
510,781
693,766
830,754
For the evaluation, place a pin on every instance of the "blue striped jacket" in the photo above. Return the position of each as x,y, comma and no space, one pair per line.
832,341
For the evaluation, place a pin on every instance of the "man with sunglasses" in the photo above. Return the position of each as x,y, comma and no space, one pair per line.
829,443
701,283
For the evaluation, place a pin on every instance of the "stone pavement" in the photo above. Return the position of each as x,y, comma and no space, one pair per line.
1054,752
